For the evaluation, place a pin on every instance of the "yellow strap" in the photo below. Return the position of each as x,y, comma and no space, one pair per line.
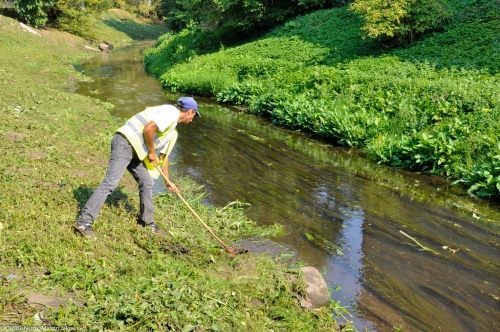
155,174
153,171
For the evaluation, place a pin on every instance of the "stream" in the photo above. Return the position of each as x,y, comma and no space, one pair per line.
347,216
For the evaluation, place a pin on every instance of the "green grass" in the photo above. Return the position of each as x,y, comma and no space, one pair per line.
432,106
117,25
55,146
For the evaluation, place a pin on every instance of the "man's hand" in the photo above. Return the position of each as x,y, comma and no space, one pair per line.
152,158
172,187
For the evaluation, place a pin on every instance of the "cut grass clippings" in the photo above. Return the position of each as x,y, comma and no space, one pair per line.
55,146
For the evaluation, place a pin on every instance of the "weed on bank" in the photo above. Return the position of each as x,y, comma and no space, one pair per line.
55,146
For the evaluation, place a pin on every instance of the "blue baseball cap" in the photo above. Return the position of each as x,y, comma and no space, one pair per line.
188,102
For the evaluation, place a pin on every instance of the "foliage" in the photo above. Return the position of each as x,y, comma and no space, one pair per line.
316,4
469,11
240,93
76,21
226,14
401,19
145,8
429,107
236,20
485,179
466,43
33,12
77,17
176,48
330,39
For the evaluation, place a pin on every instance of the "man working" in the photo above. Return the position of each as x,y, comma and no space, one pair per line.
134,147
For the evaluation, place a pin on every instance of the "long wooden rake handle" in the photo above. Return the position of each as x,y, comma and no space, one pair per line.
229,250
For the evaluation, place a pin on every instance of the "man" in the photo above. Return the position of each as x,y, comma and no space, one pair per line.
134,147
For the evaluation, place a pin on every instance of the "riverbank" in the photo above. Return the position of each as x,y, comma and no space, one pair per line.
431,106
341,212
55,145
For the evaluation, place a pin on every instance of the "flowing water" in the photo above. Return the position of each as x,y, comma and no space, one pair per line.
342,213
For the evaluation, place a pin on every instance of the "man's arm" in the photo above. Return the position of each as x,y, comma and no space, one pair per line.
149,136
165,171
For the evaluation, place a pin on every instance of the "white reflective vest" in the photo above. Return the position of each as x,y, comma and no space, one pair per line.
133,130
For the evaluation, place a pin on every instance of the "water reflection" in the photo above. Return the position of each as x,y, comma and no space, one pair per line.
342,213
118,78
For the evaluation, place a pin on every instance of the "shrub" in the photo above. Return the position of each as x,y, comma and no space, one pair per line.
204,83
240,93
400,19
485,179
33,12
77,22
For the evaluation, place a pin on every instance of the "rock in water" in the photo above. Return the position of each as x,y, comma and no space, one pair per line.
316,290
104,47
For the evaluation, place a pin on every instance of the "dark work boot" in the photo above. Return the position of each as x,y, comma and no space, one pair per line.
85,229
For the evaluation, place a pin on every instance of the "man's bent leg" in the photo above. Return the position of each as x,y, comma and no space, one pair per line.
146,183
121,155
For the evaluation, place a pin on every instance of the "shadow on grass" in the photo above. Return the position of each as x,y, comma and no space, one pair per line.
117,198
137,31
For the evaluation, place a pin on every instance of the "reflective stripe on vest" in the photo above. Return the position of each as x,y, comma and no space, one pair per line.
133,130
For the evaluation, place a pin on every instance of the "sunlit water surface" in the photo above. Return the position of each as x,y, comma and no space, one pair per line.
342,213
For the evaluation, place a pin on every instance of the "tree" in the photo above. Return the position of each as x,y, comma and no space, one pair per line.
33,12
400,19
235,19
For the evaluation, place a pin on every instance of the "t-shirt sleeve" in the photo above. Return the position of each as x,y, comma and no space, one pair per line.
164,116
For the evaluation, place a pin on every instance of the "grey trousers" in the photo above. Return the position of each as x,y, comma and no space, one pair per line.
122,157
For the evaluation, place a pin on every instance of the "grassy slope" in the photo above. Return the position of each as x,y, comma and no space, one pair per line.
55,145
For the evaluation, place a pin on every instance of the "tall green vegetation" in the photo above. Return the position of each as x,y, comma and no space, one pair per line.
431,106
400,19
38,12
33,12
77,16
232,21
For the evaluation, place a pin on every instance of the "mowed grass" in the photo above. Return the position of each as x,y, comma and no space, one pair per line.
55,146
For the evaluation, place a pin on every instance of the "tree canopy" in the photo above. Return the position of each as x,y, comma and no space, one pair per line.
232,18
237,20
77,16
400,19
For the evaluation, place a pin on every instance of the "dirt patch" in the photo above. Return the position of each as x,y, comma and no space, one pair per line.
23,171
37,155
239,251
15,136
177,248
80,173
42,301
48,185
256,303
